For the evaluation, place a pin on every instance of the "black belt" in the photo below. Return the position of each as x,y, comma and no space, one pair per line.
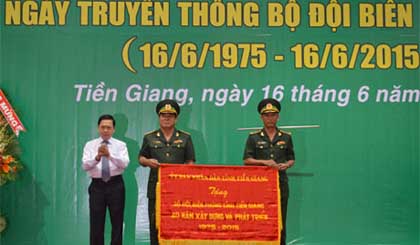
111,180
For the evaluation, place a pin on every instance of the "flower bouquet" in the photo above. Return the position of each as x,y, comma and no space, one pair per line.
9,162
3,223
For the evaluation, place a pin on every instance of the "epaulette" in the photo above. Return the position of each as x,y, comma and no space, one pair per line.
151,132
255,132
184,132
285,132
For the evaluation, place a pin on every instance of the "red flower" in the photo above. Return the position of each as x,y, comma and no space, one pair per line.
5,161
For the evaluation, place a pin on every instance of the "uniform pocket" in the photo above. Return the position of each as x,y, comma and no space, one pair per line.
156,144
178,145
262,150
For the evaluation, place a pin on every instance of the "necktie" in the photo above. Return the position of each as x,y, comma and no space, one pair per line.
106,174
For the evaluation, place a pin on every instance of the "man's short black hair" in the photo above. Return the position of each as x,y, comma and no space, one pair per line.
106,117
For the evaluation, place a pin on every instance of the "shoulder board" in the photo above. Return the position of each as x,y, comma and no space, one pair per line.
285,132
184,132
151,132
255,132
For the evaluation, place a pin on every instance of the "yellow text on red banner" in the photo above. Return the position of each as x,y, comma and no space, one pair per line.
218,205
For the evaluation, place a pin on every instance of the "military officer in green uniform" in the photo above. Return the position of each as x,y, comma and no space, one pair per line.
274,148
164,145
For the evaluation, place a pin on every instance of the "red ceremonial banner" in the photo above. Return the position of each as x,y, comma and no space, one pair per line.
200,204
10,115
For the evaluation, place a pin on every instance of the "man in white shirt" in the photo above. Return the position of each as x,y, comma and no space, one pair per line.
105,159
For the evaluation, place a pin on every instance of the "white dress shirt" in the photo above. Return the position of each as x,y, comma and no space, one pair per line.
118,159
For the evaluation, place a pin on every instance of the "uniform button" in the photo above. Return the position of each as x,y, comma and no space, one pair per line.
167,154
167,144
271,155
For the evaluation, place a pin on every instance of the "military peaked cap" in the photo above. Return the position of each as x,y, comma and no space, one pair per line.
268,105
167,106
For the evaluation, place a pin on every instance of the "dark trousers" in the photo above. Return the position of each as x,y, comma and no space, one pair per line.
152,222
103,195
284,194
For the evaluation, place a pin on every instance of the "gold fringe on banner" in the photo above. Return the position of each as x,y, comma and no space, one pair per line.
215,242
157,211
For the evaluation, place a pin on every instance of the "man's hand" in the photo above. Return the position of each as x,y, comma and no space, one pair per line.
153,163
270,163
283,166
286,165
102,152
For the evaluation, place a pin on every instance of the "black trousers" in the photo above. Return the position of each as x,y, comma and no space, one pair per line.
152,222
284,197
102,196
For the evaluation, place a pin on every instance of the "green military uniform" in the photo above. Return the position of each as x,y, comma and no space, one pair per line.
260,147
280,150
179,149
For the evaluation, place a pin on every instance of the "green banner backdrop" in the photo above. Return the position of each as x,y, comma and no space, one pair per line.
351,67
